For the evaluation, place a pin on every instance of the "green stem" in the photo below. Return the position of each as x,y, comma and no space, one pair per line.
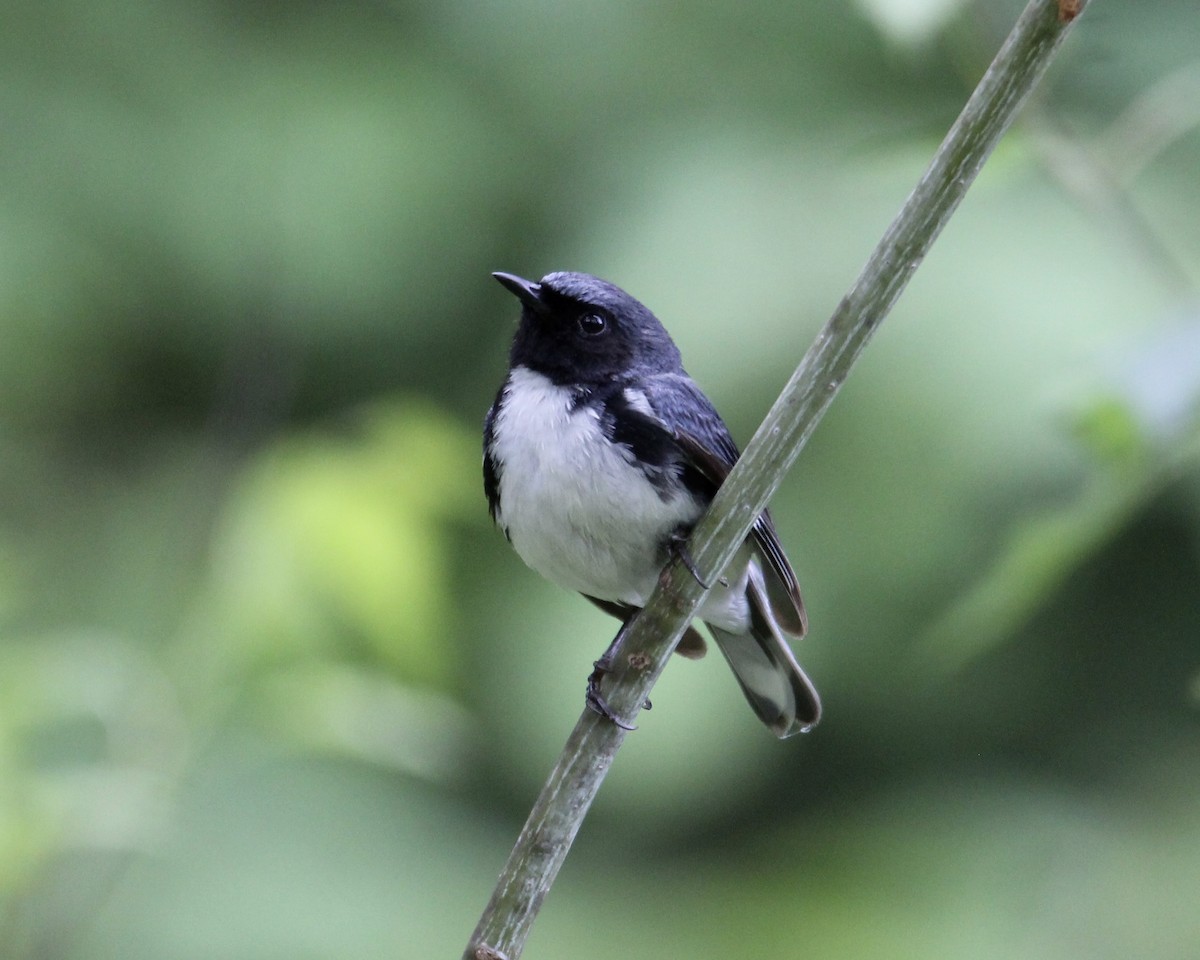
576,777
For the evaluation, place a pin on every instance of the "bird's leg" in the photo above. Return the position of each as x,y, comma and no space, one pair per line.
600,669
677,546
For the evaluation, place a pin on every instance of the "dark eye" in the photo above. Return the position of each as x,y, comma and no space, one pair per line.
592,324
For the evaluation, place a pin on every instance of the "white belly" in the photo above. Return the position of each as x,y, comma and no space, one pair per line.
577,510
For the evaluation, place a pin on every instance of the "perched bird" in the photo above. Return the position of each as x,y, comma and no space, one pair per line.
599,455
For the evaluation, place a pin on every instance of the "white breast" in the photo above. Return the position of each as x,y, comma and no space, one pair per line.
576,508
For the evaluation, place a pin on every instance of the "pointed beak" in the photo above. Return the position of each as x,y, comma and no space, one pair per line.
528,292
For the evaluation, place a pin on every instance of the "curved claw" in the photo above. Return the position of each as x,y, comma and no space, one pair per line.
678,545
595,699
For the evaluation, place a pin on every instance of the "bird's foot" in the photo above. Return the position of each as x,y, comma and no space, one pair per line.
678,545
595,699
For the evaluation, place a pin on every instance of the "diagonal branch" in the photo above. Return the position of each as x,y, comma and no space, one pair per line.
576,777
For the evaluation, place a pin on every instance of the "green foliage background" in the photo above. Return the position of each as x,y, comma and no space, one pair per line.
270,684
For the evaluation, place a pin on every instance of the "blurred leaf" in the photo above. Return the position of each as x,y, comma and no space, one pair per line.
911,23
338,541
1141,437
334,708
1038,556
1111,432
90,733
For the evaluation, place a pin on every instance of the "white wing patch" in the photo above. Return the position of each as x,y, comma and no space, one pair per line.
637,401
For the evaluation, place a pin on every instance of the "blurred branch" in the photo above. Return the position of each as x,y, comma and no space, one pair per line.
650,638
1100,172
1167,111
1082,171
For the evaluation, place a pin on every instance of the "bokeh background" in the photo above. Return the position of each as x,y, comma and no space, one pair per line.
271,686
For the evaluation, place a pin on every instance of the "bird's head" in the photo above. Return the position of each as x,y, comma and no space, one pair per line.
579,329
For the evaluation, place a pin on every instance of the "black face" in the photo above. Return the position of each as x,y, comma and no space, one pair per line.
576,328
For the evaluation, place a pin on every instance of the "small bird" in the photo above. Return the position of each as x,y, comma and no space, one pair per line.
600,454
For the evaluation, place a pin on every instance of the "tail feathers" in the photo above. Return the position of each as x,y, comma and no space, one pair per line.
774,683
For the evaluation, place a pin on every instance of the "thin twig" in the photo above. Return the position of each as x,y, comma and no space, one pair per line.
576,777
